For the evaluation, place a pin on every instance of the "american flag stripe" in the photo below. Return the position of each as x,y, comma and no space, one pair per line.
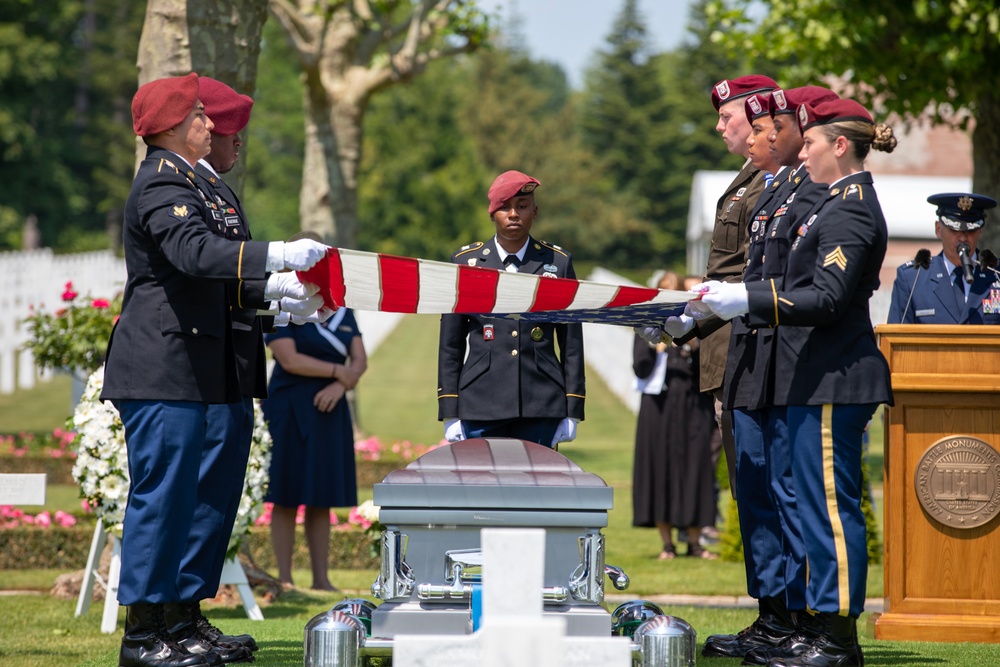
371,281
514,295
438,292
401,271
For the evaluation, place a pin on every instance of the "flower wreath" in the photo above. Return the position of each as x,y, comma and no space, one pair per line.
101,467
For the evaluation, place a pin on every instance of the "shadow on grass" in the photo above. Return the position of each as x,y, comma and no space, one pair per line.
890,655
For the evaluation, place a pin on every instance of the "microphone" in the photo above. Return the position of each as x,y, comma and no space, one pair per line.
963,253
921,261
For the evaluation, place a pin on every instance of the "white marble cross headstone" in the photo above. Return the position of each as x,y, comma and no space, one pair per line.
513,633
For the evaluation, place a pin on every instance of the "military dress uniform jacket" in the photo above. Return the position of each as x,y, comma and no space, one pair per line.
749,381
825,350
174,339
726,260
512,369
934,300
245,296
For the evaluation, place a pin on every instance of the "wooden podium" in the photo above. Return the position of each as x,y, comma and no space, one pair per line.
942,484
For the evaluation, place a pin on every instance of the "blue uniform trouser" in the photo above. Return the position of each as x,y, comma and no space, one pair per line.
778,449
759,523
826,466
533,429
164,440
220,487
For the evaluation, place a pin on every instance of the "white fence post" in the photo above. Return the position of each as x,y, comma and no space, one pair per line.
35,279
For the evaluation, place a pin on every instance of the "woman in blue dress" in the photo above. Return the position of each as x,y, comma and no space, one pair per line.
312,461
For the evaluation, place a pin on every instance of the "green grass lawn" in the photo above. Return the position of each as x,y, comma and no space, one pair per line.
396,401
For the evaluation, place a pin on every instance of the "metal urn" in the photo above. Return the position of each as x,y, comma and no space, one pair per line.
333,639
666,641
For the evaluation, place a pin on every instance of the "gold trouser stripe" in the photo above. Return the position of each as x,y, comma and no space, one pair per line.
447,396
774,291
239,295
830,486
577,395
239,267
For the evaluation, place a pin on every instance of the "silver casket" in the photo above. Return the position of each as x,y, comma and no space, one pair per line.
433,511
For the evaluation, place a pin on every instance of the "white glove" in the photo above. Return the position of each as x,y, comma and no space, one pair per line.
698,310
301,307
299,255
282,319
320,316
453,430
678,326
566,431
287,284
651,335
727,300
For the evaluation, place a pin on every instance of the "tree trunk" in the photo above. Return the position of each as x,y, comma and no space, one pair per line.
328,202
216,38
986,163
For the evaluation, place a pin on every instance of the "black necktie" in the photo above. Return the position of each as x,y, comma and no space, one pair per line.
959,283
511,260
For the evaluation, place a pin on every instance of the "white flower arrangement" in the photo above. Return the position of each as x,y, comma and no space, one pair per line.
101,467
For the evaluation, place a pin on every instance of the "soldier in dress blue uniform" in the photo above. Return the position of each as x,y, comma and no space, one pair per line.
828,370
512,384
170,356
941,292
774,552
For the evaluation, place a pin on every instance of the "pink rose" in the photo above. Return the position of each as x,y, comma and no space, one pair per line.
43,519
100,303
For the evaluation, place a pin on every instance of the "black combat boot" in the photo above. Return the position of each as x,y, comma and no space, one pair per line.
214,634
146,642
807,629
835,646
774,623
184,630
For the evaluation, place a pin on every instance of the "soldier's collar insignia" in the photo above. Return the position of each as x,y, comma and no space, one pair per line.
834,192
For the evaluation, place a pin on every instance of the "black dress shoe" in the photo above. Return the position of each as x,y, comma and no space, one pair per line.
216,635
836,646
146,642
184,630
806,632
773,625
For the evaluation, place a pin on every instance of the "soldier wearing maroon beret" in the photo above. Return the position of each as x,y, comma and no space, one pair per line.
512,383
828,373
169,358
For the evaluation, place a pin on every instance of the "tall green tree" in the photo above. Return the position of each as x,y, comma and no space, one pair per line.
912,57
623,117
66,82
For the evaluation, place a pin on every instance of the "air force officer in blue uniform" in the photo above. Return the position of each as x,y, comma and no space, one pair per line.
941,293
171,355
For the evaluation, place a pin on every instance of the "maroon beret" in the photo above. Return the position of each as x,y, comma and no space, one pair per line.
733,89
787,101
510,184
756,105
229,111
832,111
164,103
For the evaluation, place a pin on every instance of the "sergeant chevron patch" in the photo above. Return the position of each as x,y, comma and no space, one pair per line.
836,256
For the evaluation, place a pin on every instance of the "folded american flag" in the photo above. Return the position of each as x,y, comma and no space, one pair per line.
373,281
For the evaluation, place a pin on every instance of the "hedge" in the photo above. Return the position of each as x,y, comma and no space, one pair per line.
60,470
56,548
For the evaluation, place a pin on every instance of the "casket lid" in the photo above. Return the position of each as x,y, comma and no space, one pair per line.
494,473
